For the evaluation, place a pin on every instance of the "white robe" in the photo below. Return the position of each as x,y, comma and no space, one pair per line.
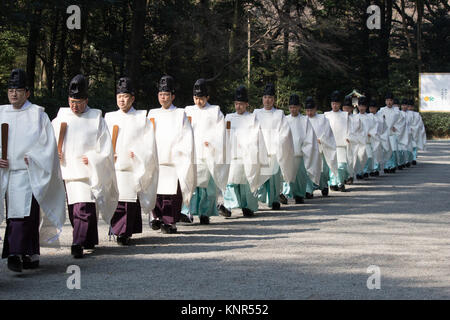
208,124
369,126
246,151
87,135
327,145
405,137
394,121
279,144
137,178
30,134
419,136
176,150
305,146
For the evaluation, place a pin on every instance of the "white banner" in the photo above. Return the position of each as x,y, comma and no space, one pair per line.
434,92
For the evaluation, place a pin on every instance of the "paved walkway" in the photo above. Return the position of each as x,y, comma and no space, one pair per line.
319,250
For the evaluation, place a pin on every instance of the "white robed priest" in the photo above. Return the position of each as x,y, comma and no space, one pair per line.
176,156
346,140
419,136
87,165
136,163
396,127
208,124
30,176
247,155
327,148
280,147
381,146
306,156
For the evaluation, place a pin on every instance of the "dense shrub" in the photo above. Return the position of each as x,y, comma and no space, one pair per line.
437,124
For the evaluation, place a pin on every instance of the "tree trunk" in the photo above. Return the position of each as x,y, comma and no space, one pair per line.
61,59
419,5
233,33
139,8
33,40
50,66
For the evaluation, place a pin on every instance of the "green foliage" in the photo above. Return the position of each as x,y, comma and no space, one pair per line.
437,124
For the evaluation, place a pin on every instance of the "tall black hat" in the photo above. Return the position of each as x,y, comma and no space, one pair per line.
363,101
372,103
167,84
200,89
294,100
241,94
396,101
78,87
269,90
411,102
125,85
348,102
18,79
405,101
389,95
309,103
336,96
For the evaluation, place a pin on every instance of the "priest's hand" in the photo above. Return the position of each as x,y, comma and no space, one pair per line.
206,144
393,129
60,156
26,160
85,160
4,163
369,135
131,154
318,140
348,141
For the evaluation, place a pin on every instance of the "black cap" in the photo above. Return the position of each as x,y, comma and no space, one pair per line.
294,100
347,102
336,96
396,101
373,103
309,103
405,101
241,94
200,89
389,95
125,85
411,102
269,90
18,79
167,84
78,87
363,101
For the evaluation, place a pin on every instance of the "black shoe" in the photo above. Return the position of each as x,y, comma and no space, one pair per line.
366,176
393,170
386,170
186,218
334,188
309,195
299,200
408,165
372,174
28,264
359,177
204,220
15,263
276,206
283,199
123,241
76,251
376,173
399,168
414,162
349,181
247,212
224,212
325,192
342,188
168,229
155,224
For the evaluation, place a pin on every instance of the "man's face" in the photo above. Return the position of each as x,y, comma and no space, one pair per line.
348,109
373,110
268,102
294,110
362,108
17,97
240,107
311,112
124,101
165,99
404,107
78,105
411,108
201,101
389,102
335,106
